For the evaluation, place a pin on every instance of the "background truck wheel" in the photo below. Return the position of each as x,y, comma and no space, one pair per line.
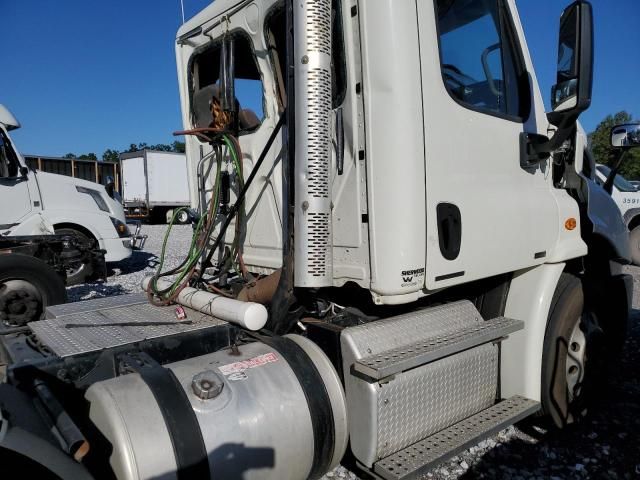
77,272
27,287
183,217
634,242
572,356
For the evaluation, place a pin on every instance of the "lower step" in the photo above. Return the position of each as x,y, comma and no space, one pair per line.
420,457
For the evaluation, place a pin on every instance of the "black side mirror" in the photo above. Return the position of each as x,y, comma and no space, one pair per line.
571,95
24,171
626,136
623,137
110,186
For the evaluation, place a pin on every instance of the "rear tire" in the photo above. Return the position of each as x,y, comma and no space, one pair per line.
634,242
77,273
27,287
572,354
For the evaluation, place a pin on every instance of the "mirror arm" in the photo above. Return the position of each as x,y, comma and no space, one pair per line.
608,185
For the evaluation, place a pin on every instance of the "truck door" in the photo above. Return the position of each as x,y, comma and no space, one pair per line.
488,214
15,199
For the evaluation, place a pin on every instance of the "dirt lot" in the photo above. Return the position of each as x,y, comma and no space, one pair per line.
605,446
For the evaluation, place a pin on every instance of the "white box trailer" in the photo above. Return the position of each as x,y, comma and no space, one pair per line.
154,184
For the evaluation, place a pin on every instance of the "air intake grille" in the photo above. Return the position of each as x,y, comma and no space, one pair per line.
319,82
313,236
319,26
318,244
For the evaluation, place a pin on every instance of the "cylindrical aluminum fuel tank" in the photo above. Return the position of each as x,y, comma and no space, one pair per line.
254,409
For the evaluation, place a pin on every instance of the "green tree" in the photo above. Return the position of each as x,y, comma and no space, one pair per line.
178,147
161,147
110,155
88,156
600,144
69,155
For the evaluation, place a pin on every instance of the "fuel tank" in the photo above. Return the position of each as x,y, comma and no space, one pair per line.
272,410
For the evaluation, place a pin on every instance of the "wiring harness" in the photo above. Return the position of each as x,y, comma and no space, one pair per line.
225,149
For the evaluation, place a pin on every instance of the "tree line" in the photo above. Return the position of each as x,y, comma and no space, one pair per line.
112,155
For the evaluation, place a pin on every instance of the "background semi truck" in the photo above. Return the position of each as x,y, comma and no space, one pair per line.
41,203
627,198
154,185
400,255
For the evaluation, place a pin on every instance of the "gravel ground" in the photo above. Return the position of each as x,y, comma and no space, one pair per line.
606,446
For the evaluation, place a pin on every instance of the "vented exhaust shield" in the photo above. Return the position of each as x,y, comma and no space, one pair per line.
312,56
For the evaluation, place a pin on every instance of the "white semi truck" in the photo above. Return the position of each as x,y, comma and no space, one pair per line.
402,254
627,198
154,185
41,203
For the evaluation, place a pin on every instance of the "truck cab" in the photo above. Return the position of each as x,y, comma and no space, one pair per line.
38,203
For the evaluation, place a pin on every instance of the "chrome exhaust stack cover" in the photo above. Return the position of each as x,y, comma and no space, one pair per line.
312,56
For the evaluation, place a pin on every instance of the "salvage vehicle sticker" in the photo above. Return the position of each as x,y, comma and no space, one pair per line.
258,361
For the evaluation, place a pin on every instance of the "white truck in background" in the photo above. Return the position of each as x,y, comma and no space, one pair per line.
154,184
627,198
40,203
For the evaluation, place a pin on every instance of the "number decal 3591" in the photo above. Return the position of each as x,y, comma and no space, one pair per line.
631,200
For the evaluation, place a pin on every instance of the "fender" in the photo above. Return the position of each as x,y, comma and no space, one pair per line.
529,300
607,222
57,220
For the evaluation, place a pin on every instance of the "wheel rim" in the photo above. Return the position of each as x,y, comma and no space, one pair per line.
183,217
576,360
74,269
20,302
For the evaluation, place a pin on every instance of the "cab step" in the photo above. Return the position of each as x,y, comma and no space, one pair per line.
390,362
417,459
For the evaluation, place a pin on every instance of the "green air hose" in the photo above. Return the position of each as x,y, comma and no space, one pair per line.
201,235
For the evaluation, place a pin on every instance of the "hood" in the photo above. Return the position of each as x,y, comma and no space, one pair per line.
54,178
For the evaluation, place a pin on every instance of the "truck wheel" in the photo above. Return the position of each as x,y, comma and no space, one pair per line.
634,243
27,287
572,354
77,272
183,217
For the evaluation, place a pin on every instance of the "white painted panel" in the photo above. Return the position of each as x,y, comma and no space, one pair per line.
134,185
167,178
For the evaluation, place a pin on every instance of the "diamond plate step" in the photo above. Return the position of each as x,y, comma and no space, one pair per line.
418,458
403,358
57,311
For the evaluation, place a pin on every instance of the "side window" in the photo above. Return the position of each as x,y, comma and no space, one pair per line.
8,161
481,63
205,80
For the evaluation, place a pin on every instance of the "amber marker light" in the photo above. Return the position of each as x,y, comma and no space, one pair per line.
570,223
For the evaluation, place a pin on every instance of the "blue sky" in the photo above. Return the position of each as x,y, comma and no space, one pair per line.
84,76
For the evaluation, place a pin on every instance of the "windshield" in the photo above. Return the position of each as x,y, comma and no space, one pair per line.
619,182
